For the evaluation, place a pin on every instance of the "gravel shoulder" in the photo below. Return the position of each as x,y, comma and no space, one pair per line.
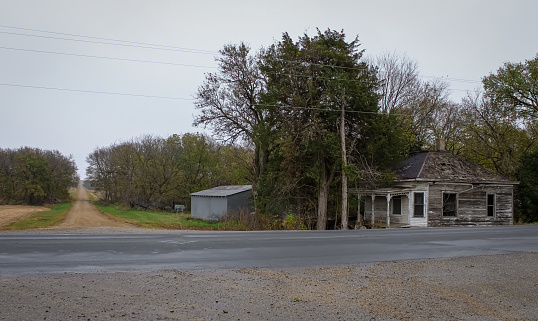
498,287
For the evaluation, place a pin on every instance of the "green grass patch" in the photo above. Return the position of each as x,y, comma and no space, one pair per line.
55,215
164,220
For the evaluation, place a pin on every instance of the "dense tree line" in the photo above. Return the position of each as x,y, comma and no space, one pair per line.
511,94
34,176
310,110
153,172
494,128
320,118
316,117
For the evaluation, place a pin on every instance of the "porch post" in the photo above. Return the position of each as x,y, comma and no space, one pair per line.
359,220
411,204
373,209
388,210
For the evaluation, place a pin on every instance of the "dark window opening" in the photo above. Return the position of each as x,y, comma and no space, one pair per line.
397,205
419,205
449,204
491,205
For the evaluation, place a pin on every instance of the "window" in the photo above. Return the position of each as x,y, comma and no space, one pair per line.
491,205
397,205
449,204
419,205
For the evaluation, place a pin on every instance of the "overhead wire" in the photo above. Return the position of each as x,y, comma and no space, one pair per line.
176,64
158,47
179,98
104,57
93,91
175,48
109,39
327,109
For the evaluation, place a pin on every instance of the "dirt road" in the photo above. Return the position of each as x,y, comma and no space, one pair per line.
85,214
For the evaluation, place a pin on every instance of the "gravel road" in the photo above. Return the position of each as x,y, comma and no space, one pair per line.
85,214
498,287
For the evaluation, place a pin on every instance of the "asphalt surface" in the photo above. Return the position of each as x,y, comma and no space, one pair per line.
96,253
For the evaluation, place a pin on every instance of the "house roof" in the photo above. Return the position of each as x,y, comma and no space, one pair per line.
444,166
223,191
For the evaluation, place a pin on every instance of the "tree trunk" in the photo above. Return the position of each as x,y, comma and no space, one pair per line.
323,195
261,158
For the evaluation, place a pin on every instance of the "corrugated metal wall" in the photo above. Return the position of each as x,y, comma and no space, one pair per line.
208,208
213,208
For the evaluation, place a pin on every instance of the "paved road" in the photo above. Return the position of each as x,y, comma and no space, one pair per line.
20,254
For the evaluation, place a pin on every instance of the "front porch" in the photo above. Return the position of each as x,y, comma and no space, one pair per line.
392,207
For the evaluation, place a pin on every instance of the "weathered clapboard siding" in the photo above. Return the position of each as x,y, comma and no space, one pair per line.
504,205
471,205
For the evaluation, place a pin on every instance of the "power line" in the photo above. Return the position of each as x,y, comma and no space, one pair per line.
199,66
103,57
172,48
94,91
326,109
110,39
381,71
129,94
178,98
191,99
453,79
156,47
195,66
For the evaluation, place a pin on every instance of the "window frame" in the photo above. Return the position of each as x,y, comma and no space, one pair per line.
398,197
423,204
493,206
446,198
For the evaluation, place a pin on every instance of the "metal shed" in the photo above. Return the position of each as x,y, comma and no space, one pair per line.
213,203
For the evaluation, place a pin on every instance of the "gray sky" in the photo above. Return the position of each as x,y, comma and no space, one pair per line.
462,40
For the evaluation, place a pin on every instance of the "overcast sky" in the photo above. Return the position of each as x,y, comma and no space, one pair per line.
50,45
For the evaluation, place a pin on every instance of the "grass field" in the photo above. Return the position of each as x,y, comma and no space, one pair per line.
164,220
54,216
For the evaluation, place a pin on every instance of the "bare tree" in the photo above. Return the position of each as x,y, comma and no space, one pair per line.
495,136
228,101
399,80
229,104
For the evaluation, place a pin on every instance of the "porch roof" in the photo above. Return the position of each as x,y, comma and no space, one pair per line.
393,191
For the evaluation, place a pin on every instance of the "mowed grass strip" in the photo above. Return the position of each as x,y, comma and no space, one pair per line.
164,220
55,215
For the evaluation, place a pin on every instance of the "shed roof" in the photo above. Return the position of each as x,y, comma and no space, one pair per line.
223,191
444,166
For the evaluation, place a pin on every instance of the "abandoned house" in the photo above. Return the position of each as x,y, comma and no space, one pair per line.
214,203
436,188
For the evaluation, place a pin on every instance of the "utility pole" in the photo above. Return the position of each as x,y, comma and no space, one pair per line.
344,162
